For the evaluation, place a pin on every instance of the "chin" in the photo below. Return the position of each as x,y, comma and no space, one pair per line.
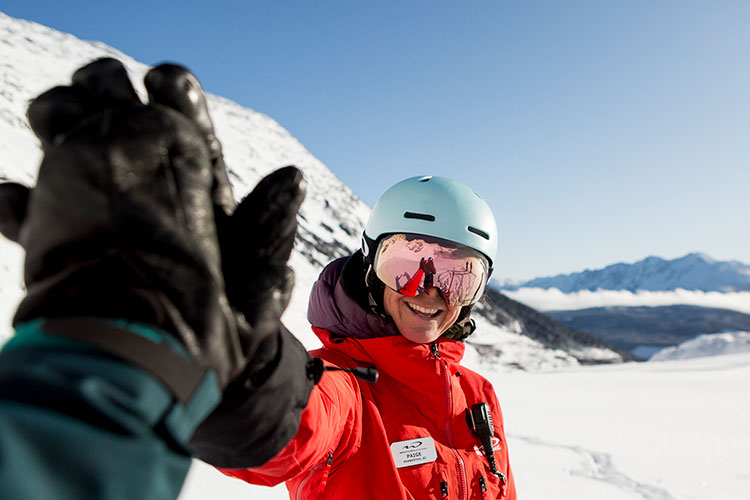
421,337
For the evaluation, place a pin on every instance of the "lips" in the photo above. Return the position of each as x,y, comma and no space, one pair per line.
426,312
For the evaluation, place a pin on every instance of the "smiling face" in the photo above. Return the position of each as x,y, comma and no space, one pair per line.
423,318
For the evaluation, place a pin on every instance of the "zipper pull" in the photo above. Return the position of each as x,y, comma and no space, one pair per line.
503,481
326,472
435,352
444,489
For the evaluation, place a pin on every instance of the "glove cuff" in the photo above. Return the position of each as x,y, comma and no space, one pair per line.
260,411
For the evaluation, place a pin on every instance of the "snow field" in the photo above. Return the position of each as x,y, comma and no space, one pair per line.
670,430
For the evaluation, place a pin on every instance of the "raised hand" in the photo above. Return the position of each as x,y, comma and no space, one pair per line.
131,218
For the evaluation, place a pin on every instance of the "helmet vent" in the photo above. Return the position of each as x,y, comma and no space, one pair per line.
479,232
413,215
425,179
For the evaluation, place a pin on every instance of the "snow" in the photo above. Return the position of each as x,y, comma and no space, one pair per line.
706,345
492,349
658,430
673,430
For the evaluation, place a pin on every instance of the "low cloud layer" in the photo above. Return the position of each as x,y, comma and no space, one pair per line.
555,300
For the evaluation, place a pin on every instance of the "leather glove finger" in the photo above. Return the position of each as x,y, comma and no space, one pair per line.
265,222
176,87
58,111
99,85
107,82
256,244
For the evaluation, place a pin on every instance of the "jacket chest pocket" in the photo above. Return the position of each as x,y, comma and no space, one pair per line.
440,481
424,481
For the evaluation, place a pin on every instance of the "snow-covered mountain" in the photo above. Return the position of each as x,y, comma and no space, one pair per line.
695,271
35,58
648,305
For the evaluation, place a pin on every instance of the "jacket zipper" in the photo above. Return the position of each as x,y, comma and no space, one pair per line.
443,489
326,472
311,473
448,431
482,486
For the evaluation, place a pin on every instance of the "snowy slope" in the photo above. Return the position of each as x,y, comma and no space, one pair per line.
675,430
710,344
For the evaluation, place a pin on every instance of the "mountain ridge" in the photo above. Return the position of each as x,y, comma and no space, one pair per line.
694,271
631,328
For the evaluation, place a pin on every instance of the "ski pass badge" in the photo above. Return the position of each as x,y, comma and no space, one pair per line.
414,452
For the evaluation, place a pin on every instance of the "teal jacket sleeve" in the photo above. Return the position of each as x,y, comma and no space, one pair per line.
79,423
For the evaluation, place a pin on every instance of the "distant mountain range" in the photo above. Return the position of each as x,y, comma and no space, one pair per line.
695,271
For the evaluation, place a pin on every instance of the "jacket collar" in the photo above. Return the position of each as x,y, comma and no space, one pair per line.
338,302
396,357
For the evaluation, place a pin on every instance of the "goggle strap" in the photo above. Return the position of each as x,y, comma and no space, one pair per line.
373,284
461,329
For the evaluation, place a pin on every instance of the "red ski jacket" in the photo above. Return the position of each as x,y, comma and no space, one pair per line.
404,437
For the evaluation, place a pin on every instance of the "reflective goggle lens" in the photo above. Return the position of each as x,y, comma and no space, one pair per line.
410,263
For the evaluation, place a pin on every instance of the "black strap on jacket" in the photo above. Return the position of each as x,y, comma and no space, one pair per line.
181,376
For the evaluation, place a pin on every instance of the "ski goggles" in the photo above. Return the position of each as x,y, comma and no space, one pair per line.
410,263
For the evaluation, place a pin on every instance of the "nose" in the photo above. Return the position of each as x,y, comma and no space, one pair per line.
433,292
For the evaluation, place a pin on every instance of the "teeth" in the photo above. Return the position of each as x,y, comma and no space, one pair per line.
423,310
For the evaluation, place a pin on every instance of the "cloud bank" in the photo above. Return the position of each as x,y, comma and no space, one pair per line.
554,300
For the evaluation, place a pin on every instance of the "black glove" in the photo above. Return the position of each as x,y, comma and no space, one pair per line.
131,217
260,410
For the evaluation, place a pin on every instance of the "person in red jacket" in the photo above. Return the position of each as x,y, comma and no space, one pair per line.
428,427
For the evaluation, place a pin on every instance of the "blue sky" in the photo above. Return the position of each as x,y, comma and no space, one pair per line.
598,131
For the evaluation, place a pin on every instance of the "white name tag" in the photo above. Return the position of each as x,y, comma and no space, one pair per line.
414,452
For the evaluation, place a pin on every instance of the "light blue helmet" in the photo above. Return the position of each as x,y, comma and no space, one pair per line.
433,206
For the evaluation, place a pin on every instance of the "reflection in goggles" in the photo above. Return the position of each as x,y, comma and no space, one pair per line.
411,263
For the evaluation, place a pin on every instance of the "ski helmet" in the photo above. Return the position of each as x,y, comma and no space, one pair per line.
433,206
